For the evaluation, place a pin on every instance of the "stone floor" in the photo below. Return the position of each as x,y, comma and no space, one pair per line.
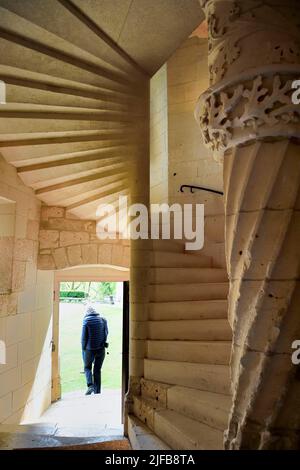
75,420
77,415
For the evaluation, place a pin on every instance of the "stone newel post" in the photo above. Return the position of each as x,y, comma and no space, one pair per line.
248,120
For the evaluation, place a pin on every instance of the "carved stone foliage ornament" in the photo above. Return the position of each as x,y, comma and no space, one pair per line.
253,107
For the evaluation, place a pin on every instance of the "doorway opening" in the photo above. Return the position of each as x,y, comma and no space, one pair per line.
105,298
73,413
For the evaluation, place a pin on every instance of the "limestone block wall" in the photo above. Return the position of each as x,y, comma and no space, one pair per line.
190,162
159,137
25,311
66,241
177,152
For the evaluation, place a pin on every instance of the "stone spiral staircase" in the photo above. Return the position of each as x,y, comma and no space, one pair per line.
74,121
185,393
76,104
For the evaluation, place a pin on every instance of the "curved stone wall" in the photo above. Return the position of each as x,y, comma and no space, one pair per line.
249,121
65,242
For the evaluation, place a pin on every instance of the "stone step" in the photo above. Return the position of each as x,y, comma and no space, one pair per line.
144,409
61,138
182,292
162,259
157,391
183,433
210,409
73,96
142,438
187,275
207,407
216,250
206,330
203,352
208,377
188,310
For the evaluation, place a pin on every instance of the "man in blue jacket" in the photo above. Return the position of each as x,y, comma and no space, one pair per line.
93,343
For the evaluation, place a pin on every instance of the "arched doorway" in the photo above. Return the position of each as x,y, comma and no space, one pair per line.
93,413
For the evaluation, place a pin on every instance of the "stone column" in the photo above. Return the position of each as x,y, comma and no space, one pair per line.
248,120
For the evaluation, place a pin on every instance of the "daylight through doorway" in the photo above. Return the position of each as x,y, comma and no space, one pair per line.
76,412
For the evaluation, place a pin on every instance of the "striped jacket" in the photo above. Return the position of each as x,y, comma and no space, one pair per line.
94,331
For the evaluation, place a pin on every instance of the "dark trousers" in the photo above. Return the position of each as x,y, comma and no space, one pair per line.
93,359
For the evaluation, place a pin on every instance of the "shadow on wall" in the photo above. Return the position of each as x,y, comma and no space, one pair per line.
25,379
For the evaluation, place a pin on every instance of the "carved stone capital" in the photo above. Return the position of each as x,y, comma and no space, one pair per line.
256,105
248,33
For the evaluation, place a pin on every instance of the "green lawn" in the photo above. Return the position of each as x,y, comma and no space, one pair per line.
71,315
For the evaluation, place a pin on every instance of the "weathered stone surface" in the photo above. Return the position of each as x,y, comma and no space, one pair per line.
24,250
73,238
23,324
156,390
105,254
49,239
74,255
141,438
52,211
89,254
70,225
12,304
144,409
6,259
126,257
57,230
243,120
32,230
60,258
18,276
3,304
46,262
117,255
262,288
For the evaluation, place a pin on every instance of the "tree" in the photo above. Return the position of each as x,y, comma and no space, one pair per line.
107,289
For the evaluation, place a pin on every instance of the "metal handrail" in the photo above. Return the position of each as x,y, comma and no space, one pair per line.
199,188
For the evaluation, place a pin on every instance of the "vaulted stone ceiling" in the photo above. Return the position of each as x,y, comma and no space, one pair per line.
76,74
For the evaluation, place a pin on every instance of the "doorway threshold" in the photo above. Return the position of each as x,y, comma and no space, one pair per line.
76,415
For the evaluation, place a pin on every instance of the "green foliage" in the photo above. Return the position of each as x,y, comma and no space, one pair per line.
94,290
72,294
107,289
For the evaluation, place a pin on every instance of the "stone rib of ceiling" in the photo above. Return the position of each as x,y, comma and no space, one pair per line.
76,74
